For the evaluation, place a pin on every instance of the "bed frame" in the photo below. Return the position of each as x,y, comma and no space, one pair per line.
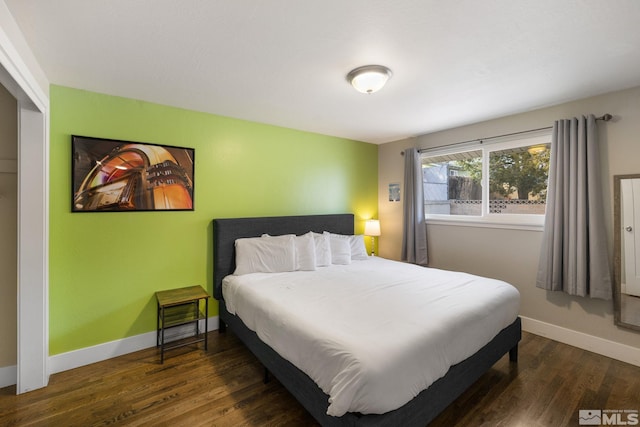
420,410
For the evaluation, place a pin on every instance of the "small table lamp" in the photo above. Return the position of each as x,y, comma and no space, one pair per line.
372,228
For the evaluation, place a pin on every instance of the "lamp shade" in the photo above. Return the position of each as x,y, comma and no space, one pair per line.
369,78
372,227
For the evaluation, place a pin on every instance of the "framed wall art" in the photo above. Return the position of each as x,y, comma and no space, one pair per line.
117,176
394,192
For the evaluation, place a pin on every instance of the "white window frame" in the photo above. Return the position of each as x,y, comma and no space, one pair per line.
486,219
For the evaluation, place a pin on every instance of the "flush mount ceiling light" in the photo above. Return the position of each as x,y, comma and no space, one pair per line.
369,78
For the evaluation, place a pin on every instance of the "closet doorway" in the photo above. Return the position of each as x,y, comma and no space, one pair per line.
8,233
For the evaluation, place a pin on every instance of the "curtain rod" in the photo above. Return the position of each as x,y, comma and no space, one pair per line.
605,117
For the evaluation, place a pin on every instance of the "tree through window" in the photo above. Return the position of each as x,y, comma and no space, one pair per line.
515,182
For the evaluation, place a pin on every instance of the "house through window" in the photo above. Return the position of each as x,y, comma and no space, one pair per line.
495,182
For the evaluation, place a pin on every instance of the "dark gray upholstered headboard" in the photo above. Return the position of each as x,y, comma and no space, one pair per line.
227,230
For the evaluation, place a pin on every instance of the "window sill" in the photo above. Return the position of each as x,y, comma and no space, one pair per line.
529,224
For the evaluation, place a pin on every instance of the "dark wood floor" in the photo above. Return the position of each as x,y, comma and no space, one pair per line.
223,387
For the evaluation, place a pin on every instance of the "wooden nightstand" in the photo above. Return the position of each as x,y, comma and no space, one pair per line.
179,307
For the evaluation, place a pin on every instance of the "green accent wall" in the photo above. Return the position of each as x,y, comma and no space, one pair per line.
105,267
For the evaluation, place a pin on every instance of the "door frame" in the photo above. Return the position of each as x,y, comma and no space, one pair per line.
33,217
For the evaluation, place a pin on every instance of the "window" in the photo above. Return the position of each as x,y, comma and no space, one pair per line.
500,183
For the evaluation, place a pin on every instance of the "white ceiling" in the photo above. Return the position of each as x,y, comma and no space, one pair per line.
284,62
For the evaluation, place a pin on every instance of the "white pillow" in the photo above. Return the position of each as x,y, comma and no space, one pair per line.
259,255
358,249
340,250
356,242
305,252
323,249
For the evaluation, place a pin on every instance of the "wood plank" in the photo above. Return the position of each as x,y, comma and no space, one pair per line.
223,387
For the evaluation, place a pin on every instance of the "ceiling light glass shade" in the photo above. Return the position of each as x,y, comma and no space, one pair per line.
369,78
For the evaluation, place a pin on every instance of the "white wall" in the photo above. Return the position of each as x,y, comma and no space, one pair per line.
512,255
8,227
21,49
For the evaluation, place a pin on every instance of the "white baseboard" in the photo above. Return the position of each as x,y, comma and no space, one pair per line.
8,375
612,349
97,353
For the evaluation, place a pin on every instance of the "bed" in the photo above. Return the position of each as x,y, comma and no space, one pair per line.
418,411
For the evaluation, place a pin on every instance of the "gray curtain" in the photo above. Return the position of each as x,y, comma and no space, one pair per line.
574,256
414,228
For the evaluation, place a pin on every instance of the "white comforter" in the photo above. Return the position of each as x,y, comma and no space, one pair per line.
374,333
